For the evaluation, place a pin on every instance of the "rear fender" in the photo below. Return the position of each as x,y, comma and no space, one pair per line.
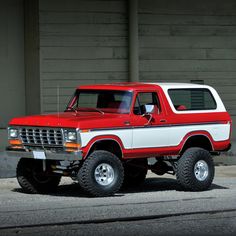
194,134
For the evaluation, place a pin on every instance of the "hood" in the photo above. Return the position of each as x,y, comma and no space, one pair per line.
81,120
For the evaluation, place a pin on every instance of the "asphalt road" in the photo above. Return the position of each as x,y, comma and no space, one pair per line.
158,207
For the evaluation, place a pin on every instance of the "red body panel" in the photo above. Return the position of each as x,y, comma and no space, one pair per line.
81,120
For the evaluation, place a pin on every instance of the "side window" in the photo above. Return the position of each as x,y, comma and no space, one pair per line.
143,99
192,99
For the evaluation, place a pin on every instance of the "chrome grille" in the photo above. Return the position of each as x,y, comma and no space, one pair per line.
35,136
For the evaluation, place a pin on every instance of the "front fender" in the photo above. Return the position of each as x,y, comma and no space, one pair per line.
87,148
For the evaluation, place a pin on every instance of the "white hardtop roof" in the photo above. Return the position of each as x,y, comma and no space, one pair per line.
166,86
181,85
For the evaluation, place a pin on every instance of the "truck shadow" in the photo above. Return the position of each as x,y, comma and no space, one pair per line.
161,184
150,185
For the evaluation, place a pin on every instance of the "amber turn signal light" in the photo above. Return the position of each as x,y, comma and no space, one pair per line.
15,142
72,145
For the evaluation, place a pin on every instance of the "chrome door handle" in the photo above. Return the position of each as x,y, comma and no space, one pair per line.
162,120
127,122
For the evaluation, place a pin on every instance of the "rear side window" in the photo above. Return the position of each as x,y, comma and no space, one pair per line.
192,99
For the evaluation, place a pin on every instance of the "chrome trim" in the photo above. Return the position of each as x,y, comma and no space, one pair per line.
8,131
104,174
78,136
67,130
64,156
156,126
201,170
41,136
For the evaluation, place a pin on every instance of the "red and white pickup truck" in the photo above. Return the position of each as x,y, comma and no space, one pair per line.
107,133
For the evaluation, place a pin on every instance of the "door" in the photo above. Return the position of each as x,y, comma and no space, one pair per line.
149,122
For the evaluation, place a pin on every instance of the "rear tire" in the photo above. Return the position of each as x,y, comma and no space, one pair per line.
30,177
195,170
101,174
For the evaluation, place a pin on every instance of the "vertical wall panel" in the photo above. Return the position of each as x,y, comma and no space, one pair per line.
81,42
12,84
32,79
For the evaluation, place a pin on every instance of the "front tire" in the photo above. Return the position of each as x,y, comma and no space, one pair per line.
31,178
195,170
101,174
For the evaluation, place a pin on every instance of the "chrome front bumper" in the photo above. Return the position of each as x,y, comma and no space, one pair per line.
61,156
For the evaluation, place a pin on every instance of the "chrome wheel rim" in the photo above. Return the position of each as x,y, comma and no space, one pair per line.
201,170
104,174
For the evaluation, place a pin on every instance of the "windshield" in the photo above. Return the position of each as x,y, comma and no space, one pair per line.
107,101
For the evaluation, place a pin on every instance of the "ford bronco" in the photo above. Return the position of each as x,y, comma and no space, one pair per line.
107,132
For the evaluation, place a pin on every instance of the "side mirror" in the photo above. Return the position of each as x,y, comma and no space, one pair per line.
149,109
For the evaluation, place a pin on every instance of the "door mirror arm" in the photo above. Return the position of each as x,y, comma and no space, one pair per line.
149,117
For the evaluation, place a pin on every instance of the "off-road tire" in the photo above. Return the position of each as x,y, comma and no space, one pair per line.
185,173
135,172
86,174
26,172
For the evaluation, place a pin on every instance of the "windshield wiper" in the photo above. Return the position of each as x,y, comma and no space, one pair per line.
92,109
84,108
72,108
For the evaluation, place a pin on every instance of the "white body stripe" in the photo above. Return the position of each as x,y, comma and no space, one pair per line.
125,136
219,132
159,136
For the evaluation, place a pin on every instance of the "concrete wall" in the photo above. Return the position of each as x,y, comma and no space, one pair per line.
12,85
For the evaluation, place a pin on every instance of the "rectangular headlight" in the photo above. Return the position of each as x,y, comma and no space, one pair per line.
71,136
12,133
